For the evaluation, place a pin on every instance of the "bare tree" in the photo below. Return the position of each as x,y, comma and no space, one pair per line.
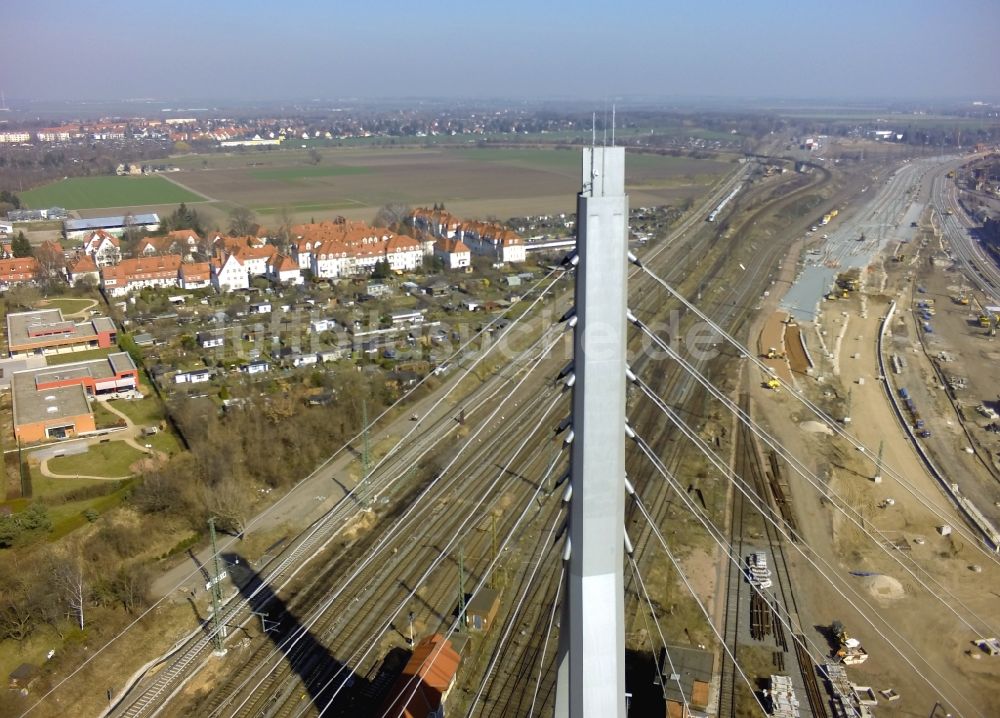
314,156
229,500
68,577
131,587
18,610
51,260
392,215
242,222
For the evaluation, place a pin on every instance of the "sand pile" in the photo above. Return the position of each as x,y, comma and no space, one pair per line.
815,427
885,588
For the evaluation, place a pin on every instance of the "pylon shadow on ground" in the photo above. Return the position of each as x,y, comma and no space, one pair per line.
344,695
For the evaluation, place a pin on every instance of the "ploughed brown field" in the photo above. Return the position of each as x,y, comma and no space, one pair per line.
473,182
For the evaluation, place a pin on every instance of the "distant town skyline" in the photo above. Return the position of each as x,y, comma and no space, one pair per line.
895,49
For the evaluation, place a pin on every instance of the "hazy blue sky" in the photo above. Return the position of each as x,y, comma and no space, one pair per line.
113,49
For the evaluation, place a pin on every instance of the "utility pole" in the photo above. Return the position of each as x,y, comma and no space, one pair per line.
590,679
218,627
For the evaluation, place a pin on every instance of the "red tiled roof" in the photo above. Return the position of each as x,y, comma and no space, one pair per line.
432,667
195,272
161,267
82,264
18,269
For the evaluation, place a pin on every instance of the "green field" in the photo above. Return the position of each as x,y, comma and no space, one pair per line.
294,173
98,192
112,459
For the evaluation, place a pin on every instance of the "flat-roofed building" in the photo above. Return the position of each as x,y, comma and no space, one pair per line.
45,331
116,225
54,402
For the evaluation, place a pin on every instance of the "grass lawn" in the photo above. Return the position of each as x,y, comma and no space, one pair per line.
103,418
67,305
53,359
96,192
111,459
142,412
294,173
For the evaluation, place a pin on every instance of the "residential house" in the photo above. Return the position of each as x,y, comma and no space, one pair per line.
490,239
195,275
284,270
211,339
198,376
229,274
255,259
345,248
184,242
18,270
82,268
454,253
132,274
258,366
102,247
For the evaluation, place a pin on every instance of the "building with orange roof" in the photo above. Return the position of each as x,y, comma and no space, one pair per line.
132,274
426,682
255,259
103,247
182,241
195,275
18,270
284,270
82,267
490,239
343,248
454,253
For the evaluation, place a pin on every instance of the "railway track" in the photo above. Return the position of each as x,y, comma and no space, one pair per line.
337,639
748,530
345,625
149,697
504,695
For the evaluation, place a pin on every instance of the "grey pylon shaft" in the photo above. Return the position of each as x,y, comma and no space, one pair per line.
591,662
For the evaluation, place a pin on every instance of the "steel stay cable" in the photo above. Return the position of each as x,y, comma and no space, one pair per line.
124,631
680,572
649,602
806,474
712,529
719,536
483,578
547,545
443,553
548,634
416,507
818,412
